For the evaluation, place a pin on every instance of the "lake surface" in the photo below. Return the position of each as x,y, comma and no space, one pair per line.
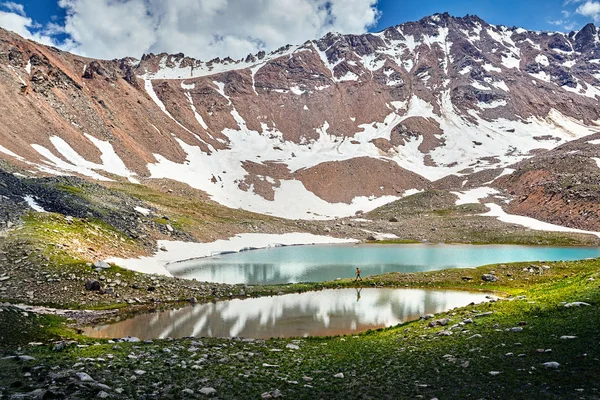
322,263
328,312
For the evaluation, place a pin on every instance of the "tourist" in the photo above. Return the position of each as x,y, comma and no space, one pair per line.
358,274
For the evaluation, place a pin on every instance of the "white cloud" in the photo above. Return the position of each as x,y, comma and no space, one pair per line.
14,7
207,28
590,9
16,21
566,13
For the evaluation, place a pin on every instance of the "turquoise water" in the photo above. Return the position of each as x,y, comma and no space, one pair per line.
321,263
328,312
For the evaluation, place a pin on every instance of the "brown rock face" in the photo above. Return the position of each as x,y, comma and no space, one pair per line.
341,181
402,107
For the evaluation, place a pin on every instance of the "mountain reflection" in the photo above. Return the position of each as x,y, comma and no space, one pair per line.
322,263
328,312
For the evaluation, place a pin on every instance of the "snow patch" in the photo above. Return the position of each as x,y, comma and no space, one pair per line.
159,263
30,200
531,223
474,195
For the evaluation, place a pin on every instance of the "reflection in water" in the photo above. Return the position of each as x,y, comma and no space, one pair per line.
328,312
322,263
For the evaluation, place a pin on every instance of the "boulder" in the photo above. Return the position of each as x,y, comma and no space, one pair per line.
489,278
93,285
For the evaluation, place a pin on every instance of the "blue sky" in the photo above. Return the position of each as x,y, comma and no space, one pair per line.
209,28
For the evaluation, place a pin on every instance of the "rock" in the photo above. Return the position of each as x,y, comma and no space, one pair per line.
266,395
292,346
93,285
83,377
516,329
193,300
307,379
485,314
468,321
577,304
393,219
467,278
489,278
371,238
444,333
276,393
164,248
169,228
551,364
26,358
139,372
339,375
103,395
427,316
131,339
208,391
187,392
568,337
494,373
102,265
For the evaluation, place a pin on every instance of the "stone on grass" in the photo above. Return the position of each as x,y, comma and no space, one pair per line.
92,285
577,304
551,365
292,346
26,358
494,373
208,391
516,329
568,337
83,377
489,278
187,392
102,395
339,375
102,265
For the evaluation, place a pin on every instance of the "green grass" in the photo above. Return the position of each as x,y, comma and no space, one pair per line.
405,361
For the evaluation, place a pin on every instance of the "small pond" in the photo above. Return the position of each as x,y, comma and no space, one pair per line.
328,312
323,263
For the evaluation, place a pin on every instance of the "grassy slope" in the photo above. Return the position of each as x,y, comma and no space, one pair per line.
399,362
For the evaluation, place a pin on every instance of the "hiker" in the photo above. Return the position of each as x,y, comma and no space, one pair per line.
358,274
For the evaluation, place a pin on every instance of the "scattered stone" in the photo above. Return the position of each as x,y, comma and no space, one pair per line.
568,337
339,375
187,392
577,304
292,346
468,321
427,316
103,395
516,329
444,333
26,358
489,278
83,377
208,391
393,219
551,365
494,373
139,372
93,285
102,265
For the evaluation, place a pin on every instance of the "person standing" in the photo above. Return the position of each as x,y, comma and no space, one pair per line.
358,274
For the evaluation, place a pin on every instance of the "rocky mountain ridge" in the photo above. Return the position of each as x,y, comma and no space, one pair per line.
319,130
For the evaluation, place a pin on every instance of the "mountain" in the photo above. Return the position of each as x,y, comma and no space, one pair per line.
328,127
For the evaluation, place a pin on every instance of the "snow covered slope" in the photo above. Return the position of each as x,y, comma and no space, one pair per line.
318,130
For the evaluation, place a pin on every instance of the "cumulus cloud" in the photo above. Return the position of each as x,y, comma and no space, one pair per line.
590,9
13,18
207,28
